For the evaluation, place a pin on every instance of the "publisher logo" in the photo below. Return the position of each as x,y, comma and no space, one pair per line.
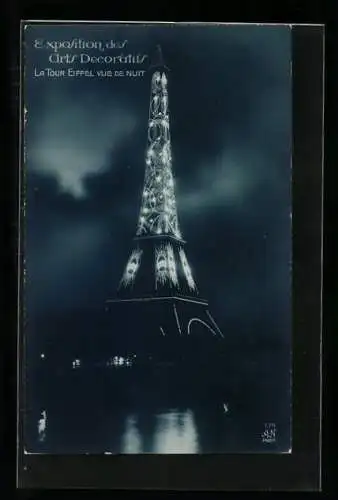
269,435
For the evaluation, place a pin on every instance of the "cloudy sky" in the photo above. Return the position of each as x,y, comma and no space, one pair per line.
85,138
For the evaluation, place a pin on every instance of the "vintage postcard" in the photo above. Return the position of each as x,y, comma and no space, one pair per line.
156,223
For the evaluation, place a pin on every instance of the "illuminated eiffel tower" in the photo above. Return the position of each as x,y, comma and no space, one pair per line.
158,290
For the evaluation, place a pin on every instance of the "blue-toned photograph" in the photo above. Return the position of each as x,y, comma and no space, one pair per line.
156,225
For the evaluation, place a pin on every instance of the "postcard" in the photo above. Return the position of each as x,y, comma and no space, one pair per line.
157,238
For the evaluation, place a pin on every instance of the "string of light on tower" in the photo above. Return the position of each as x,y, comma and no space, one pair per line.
165,267
187,270
131,268
158,208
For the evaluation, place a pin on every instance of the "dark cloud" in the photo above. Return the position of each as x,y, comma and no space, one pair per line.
230,103
70,145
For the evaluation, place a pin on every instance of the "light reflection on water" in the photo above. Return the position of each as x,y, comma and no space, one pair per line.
165,430
77,424
131,439
170,431
175,432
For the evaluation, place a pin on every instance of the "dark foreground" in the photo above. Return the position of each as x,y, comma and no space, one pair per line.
180,407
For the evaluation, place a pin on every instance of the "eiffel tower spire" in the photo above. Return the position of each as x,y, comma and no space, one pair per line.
158,269
158,60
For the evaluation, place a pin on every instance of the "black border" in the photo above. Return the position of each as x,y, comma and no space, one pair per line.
299,470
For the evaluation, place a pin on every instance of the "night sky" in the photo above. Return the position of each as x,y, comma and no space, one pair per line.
85,139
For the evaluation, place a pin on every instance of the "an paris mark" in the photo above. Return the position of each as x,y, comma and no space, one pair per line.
269,435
